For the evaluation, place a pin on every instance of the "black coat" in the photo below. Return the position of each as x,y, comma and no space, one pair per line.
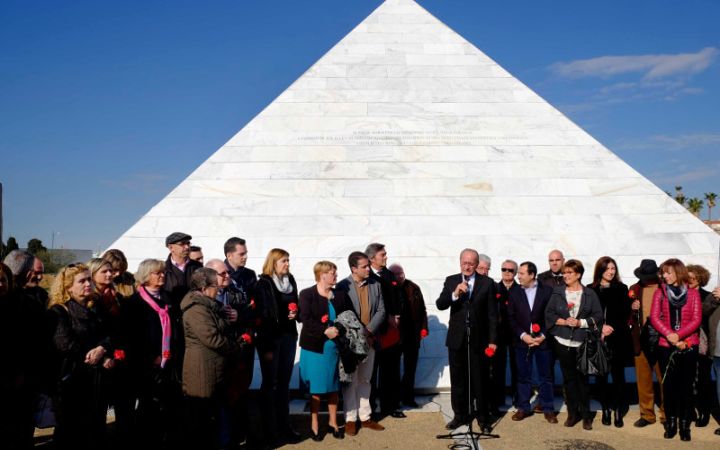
549,279
313,307
272,307
75,330
143,338
521,317
617,309
414,318
392,294
502,297
557,308
177,282
482,308
244,277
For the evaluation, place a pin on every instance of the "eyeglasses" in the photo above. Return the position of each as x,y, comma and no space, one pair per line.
506,269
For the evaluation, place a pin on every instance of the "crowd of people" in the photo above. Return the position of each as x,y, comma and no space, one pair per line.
172,348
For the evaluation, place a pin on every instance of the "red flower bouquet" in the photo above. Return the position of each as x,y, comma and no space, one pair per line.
489,352
292,307
119,355
247,338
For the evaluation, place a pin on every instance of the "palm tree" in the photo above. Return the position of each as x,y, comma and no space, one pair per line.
695,205
710,198
679,196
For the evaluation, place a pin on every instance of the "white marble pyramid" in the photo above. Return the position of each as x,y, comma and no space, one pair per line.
406,134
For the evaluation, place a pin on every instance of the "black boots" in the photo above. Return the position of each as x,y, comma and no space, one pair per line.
703,418
618,418
605,416
671,424
684,430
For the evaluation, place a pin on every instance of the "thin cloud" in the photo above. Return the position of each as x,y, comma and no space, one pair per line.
651,66
673,143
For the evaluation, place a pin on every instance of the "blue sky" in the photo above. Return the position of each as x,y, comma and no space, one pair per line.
106,106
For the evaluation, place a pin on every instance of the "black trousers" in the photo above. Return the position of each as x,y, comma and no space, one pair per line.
410,352
389,377
706,397
201,423
276,366
498,374
612,394
576,385
477,374
679,381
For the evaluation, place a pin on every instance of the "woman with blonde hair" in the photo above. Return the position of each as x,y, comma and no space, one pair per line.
276,295
83,352
319,307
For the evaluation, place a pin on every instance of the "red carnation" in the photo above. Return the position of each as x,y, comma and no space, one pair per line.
394,283
535,328
489,352
252,303
119,355
324,319
247,338
166,354
571,305
498,295
631,294
293,307
423,333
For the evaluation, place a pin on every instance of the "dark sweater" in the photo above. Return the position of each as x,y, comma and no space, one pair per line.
313,307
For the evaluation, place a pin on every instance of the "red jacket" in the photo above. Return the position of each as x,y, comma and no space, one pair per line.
691,316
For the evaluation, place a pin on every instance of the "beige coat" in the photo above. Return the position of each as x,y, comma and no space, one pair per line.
209,343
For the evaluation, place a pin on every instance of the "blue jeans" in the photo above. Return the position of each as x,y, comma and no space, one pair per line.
543,360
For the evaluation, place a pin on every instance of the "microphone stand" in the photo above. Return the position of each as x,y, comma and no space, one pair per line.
469,434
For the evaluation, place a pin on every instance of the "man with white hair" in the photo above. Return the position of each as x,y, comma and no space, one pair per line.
484,263
471,300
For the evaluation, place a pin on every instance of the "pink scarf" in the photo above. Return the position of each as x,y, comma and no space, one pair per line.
164,323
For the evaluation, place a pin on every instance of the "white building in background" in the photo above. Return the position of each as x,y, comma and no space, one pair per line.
407,134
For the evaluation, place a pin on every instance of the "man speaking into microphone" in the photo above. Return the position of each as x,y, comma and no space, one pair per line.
470,297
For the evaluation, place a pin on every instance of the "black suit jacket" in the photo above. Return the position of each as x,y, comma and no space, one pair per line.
521,317
482,307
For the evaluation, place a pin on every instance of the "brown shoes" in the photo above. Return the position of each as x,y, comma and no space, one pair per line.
519,415
550,417
372,425
351,429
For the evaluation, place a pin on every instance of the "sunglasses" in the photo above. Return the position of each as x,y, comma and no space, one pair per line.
505,269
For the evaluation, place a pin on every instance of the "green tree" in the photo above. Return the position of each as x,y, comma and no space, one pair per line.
53,260
710,198
11,245
35,246
679,196
695,205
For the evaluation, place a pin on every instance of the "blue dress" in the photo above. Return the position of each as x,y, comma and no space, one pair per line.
319,371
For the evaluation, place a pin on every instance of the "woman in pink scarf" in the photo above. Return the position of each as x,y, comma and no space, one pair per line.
154,350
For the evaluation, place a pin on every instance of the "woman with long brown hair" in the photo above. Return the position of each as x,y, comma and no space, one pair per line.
276,295
616,308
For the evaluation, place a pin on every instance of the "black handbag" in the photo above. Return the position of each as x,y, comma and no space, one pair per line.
649,341
593,356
